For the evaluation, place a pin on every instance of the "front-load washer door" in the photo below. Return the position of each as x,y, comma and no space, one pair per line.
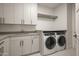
50,43
61,41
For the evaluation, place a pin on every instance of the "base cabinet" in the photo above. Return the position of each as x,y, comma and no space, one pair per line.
15,46
26,45
23,45
35,44
1,14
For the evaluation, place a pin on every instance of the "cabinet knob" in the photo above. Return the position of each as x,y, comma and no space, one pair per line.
75,35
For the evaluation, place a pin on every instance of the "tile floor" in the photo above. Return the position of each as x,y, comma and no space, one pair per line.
67,52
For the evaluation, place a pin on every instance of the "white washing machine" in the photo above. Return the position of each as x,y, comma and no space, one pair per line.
61,40
48,43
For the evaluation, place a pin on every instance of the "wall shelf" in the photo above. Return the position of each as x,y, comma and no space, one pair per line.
47,16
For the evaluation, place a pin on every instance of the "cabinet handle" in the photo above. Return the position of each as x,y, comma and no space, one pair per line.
31,21
75,35
3,20
77,10
23,21
20,43
32,41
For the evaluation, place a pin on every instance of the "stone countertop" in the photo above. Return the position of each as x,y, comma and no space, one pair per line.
2,37
17,34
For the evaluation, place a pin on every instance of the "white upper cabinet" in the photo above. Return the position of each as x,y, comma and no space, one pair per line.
30,13
27,14
34,13
19,13
1,13
8,13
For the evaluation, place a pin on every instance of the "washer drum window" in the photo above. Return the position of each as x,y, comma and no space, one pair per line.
61,41
50,42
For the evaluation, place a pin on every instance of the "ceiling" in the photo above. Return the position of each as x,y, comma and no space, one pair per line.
50,5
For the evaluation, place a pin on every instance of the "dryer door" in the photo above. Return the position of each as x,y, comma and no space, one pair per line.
61,41
50,42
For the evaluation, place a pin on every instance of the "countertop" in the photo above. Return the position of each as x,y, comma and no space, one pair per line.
17,34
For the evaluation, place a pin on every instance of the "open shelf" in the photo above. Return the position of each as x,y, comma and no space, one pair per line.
47,16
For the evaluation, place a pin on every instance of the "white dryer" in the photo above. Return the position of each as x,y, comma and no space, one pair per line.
48,43
61,40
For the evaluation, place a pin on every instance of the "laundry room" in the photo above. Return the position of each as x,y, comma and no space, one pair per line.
38,29
64,14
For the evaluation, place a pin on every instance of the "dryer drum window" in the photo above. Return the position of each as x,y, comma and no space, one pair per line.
61,41
50,42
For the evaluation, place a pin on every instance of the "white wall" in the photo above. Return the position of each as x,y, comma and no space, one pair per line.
69,26
44,23
66,18
45,10
73,25
49,24
64,12
61,21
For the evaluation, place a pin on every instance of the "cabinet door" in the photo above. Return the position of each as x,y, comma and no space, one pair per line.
35,44
27,14
8,13
1,13
15,46
33,11
27,45
19,13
